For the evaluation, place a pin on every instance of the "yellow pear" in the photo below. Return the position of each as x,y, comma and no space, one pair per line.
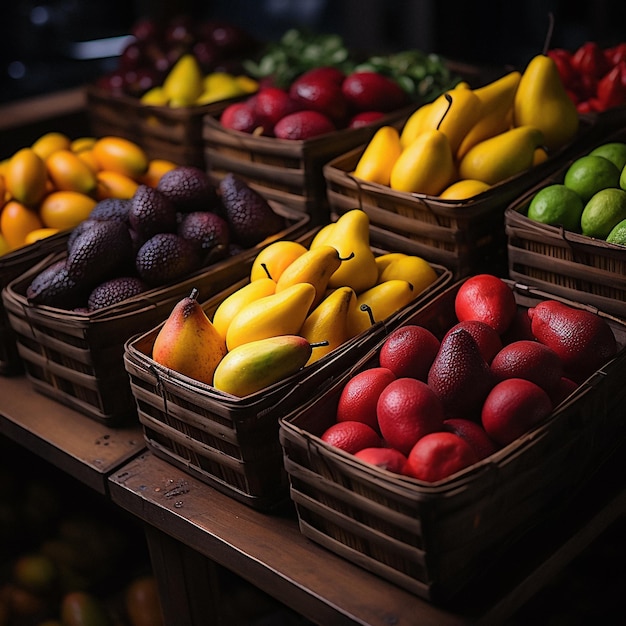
454,113
232,304
378,303
496,101
185,81
413,269
320,237
188,342
328,322
281,313
315,266
350,236
415,124
426,166
378,158
274,258
541,101
502,156
383,260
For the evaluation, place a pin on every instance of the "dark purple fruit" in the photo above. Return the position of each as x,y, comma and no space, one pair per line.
249,215
208,231
54,287
189,189
111,209
114,291
151,212
165,258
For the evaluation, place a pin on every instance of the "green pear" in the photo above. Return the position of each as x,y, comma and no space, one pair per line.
502,156
541,101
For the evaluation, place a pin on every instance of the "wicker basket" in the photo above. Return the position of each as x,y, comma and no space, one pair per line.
433,539
570,264
77,358
468,236
228,442
288,171
11,266
163,132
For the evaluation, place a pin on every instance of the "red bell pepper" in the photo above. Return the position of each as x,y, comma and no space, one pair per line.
589,60
611,90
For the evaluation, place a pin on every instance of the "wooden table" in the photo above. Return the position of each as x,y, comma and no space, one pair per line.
78,445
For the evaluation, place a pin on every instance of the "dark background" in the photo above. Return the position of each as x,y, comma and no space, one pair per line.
39,52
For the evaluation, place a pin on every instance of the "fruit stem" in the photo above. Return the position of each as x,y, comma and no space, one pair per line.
264,266
194,293
319,344
368,309
350,256
448,97
548,40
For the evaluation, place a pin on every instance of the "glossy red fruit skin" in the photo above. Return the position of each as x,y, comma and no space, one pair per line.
271,104
512,408
531,360
388,459
486,298
357,402
318,94
367,437
488,340
422,413
438,455
474,434
370,91
365,118
583,340
239,116
409,351
303,125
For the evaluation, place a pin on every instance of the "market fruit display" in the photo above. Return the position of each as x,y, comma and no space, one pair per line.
156,45
126,246
290,314
593,75
442,404
589,197
469,139
54,184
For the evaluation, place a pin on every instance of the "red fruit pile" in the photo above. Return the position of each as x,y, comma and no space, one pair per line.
433,406
319,101
156,45
594,77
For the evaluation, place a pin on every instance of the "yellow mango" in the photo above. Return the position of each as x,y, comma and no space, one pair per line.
120,155
26,177
69,172
65,209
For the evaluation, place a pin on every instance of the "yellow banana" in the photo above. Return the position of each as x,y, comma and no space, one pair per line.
328,322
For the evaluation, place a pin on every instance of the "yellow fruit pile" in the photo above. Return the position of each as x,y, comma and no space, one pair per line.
327,293
468,140
185,85
53,184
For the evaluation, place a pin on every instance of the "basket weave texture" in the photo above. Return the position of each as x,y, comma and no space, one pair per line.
567,263
228,442
468,236
11,266
289,171
77,358
163,132
434,538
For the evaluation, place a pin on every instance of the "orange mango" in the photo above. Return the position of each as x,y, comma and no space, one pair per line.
65,209
26,177
115,185
120,155
16,221
69,172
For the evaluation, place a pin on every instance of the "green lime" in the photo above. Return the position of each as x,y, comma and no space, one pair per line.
622,178
557,205
603,211
618,233
589,174
614,151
